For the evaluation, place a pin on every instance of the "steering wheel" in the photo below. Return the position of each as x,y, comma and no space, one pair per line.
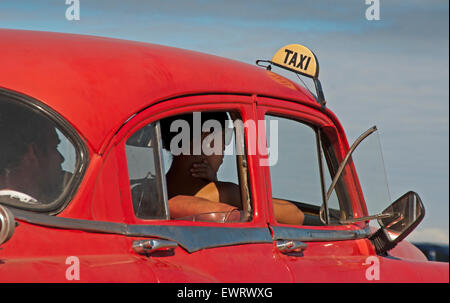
10,195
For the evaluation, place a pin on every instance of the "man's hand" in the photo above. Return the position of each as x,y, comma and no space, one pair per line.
204,171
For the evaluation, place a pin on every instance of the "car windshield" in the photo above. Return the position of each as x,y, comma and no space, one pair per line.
370,186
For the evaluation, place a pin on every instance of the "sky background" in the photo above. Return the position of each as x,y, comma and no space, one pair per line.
392,73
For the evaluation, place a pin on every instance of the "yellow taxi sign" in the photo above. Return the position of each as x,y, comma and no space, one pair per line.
297,58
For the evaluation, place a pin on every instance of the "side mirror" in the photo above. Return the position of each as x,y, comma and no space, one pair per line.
402,217
7,224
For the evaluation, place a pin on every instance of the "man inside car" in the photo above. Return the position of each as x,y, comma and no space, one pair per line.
30,163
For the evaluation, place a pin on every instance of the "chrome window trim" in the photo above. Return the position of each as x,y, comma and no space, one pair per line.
195,238
315,235
191,238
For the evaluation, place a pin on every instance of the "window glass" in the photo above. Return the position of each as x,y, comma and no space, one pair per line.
37,161
370,186
194,171
295,176
145,174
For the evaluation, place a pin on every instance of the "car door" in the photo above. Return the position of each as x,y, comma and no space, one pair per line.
301,154
192,250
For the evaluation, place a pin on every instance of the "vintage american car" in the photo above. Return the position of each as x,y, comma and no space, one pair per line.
88,189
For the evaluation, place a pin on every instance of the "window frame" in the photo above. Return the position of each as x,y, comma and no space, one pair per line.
341,189
241,104
318,149
80,147
241,160
317,121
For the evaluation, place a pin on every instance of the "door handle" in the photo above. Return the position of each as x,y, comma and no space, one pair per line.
288,246
144,247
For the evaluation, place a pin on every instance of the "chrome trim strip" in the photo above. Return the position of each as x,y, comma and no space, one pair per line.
194,238
314,235
191,238
69,223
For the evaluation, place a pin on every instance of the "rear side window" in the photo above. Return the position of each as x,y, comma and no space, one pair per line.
171,179
38,161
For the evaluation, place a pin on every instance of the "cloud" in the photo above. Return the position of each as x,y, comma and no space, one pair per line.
432,235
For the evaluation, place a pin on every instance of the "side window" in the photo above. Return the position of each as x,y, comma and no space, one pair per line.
190,167
38,162
146,173
296,176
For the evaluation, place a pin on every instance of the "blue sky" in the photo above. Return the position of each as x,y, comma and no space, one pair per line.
393,72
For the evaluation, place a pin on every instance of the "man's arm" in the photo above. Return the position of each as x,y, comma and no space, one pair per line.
183,206
287,213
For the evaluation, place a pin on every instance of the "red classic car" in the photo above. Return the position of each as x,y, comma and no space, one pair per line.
92,190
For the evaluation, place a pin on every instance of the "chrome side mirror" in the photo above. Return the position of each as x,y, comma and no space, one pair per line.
7,224
402,217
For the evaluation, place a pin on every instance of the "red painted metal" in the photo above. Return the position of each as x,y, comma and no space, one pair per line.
117,78
98,84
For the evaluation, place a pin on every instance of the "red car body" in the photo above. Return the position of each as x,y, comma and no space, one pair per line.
105,88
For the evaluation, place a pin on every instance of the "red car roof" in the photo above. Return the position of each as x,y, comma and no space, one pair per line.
98,83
